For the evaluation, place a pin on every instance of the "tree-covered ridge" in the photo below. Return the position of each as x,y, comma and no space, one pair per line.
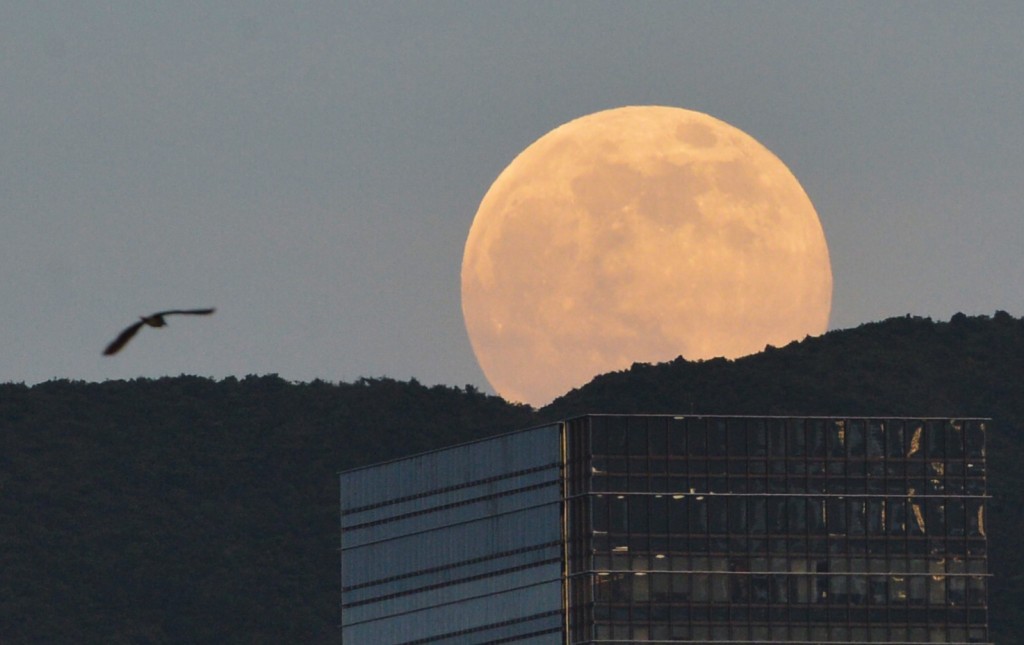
191,510
902,366
188,510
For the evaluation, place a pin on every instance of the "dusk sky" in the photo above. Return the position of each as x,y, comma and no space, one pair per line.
312,169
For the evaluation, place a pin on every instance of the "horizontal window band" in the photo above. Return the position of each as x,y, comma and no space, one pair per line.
553,503
456,581
864,574
483,628
448,489
797,624
456,602
444,507
916,458
677,495
455,565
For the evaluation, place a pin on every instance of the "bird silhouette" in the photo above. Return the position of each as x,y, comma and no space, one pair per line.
152,320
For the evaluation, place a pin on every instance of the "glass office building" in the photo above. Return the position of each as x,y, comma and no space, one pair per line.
673,529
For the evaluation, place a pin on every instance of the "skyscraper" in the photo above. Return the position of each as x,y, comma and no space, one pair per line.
675,529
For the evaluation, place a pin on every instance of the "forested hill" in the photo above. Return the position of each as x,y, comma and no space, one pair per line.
185,510
191,510
906,366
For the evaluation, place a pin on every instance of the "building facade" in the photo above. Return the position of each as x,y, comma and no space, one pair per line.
675,529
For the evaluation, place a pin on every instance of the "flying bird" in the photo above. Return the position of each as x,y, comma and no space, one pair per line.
152,320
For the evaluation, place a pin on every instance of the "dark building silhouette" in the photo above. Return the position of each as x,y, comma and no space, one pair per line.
675,529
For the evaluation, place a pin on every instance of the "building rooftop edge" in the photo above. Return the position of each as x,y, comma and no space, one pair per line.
659,415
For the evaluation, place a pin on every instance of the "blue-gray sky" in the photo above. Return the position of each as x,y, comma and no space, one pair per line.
312,168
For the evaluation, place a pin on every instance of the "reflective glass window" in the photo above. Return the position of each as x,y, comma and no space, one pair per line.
694,529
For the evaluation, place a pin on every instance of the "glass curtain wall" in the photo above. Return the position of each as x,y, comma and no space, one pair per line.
462,545
755,530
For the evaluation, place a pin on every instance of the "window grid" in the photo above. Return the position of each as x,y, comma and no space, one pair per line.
751,529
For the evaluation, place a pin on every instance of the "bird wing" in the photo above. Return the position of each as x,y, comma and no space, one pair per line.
122,339
199,312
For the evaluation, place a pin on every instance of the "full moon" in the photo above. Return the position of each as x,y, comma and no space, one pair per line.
638,234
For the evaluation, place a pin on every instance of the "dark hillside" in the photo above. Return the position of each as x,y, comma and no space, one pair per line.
902,366
190,510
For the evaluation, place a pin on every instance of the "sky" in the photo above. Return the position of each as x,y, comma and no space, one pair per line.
312,169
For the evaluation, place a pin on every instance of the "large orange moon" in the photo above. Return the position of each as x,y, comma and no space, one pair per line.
638,234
